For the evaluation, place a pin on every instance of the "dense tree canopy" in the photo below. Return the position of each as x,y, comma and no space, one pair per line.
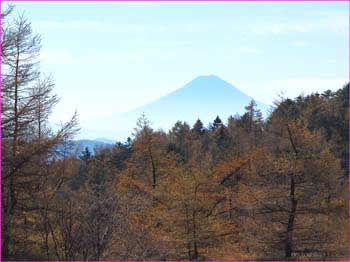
245,189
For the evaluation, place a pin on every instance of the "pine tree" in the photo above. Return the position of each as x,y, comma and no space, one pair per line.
198,128
216,124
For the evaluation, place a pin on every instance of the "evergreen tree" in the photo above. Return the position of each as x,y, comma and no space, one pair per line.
82,174
121,153
216,124
198,128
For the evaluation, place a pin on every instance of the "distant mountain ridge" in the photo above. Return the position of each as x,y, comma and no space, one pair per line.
75,147
105,140
91,144
204,97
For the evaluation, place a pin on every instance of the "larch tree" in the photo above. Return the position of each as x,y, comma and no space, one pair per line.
186,221
27,101
294,186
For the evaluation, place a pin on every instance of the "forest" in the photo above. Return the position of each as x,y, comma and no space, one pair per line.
247,188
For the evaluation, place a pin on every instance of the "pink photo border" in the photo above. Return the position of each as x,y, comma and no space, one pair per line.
1,1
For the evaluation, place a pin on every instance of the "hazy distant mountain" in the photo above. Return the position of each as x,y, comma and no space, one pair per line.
91,144
75,147
205,97
105,140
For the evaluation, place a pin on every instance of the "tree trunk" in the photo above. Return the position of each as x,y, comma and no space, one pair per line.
153,169
12,198
194,231
290,226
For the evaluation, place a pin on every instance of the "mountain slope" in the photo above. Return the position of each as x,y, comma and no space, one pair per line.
76,147
91,144
205,97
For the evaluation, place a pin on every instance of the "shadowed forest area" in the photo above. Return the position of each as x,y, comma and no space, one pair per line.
244,189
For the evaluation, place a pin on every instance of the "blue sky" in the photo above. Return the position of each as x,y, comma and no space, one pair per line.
110,57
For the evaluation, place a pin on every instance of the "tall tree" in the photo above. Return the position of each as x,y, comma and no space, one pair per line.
216,123
27,101
180,139
198,128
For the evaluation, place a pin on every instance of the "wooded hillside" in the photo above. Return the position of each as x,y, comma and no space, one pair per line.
245,189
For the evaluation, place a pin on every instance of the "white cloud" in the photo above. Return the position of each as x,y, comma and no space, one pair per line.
63,25
117,57
300,43
249,50
137,3
67,57
327,13
193,28
57,56
327,23
300,28
283,28
102,27
276,29
129,28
